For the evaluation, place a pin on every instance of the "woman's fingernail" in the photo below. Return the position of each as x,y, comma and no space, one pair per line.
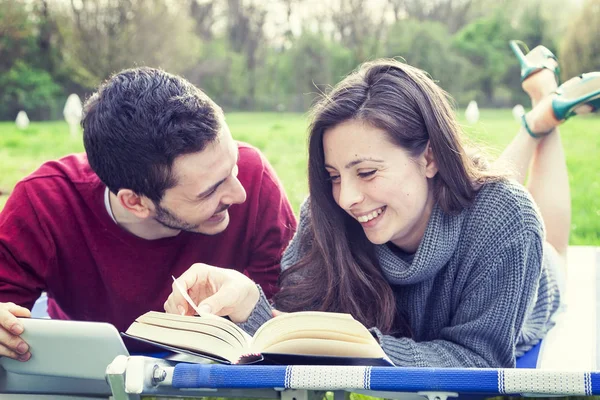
205,308
181,310
24,357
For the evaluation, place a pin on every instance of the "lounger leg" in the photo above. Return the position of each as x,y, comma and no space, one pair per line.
341,395
438,395
299,394
115,376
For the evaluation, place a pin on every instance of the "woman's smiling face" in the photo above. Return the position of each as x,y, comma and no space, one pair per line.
379,184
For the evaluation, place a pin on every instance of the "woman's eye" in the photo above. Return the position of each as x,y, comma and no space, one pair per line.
334,178
367,173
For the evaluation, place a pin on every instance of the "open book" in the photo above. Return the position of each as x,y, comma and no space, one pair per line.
309,337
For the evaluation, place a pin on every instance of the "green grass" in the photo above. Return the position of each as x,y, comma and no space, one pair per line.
282,138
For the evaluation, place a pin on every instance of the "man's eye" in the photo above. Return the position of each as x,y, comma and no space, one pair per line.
207,195
367,174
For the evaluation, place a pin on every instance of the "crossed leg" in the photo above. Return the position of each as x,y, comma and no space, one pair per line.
542,162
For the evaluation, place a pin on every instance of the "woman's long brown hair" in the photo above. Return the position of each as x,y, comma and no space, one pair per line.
340,272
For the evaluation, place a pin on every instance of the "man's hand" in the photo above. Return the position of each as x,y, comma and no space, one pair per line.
215,290
11,344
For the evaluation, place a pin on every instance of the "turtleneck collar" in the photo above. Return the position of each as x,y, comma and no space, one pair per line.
435,250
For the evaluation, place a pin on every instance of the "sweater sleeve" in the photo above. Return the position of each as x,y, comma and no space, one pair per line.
25,250
262,311
485,327
273,231
302,239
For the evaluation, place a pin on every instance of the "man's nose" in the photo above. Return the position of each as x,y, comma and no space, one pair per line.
236,193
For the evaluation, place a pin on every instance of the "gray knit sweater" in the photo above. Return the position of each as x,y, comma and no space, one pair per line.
479,291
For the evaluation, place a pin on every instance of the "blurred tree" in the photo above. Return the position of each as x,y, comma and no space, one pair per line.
580,48
245,29
27,61
484,43
26,88
47,33
51,55
106,36
17,33
220,72
248,54
313,63
203,14
289,11
359,27
554,24
453,13
428,45
533,27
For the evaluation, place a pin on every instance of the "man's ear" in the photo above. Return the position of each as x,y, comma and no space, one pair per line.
140,206
431,168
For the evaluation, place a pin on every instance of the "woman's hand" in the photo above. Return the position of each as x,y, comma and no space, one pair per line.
215,290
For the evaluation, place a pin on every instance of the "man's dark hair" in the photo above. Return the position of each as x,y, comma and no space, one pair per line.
138,122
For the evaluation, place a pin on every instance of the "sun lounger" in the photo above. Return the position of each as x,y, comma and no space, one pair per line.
564,364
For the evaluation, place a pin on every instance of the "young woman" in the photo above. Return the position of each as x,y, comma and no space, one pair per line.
449,263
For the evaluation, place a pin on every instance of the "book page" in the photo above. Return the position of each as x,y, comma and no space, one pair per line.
198,324
189,340
326,347
317,334
312,325
200,327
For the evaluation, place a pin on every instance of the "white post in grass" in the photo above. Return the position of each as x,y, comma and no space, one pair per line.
73,112
472,112
22,120
518,112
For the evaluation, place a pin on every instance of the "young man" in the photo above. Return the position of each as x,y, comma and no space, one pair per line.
162,186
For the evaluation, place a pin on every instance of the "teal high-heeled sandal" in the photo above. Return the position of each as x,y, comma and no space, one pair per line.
539,61
572,98
585,92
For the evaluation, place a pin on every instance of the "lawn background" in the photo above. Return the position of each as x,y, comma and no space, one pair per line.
282,138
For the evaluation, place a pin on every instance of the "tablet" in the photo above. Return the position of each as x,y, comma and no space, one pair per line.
75,349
